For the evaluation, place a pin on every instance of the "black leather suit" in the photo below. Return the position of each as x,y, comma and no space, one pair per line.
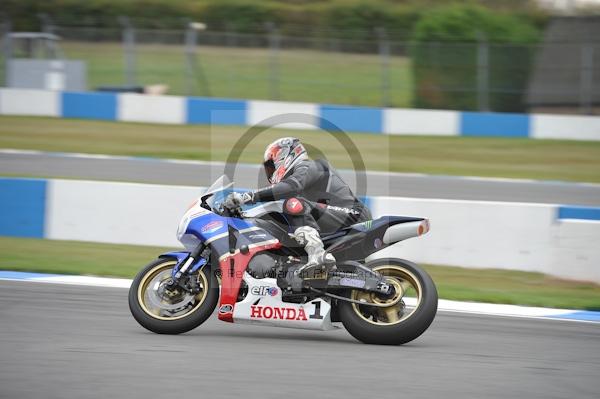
327,203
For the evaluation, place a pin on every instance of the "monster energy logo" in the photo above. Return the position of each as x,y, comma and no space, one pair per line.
367,224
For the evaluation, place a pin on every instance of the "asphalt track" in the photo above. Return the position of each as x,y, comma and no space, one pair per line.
192,173
61,341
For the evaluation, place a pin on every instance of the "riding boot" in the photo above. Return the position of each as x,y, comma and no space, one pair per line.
318,258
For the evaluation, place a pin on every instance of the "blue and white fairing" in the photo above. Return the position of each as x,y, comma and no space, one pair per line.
202,225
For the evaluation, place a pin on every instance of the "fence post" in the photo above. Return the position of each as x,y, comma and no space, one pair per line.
6,47
47,26
46,23
194,71
274,43
586,78
334,44
128,50
189,47
483,73
231,35
384,55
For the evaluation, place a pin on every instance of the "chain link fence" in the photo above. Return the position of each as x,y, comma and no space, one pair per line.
467,76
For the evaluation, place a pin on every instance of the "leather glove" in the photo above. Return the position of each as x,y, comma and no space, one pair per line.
235,200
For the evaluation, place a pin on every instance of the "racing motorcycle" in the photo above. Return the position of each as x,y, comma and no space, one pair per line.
245,262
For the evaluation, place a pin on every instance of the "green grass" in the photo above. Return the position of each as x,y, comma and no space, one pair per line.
492,157
303,75
496,286
513,287
74,257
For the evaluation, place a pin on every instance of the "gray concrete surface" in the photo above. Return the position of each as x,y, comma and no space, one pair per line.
202,174
59,341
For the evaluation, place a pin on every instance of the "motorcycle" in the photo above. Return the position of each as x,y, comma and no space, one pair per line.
237,259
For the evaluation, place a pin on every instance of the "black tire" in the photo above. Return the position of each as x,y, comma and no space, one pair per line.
185,323
405,330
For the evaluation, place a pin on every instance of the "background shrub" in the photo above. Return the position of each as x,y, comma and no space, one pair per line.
445,51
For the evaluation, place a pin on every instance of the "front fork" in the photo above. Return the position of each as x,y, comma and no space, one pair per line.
188,263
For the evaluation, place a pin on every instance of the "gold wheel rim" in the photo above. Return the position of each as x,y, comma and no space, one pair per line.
150,301
402,304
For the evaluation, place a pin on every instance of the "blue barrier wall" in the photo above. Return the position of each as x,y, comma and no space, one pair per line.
198,110
353,119
216,111
494,125
65,210
23,204
578,212
89,105
22,207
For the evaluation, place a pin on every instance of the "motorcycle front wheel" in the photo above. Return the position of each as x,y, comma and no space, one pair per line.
410,311
162,310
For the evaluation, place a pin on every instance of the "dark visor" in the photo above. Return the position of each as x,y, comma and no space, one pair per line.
269,169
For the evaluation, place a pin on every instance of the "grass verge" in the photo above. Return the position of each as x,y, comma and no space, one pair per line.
481,285
302,75
471,156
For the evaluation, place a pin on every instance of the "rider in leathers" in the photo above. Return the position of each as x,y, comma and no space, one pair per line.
317,200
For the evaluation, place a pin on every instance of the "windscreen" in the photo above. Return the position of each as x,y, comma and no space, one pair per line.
212,193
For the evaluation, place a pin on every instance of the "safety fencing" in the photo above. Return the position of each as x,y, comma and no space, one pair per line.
558,240
372,67
130,107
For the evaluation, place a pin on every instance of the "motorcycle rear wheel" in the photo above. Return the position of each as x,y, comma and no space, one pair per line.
411,311
163,311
